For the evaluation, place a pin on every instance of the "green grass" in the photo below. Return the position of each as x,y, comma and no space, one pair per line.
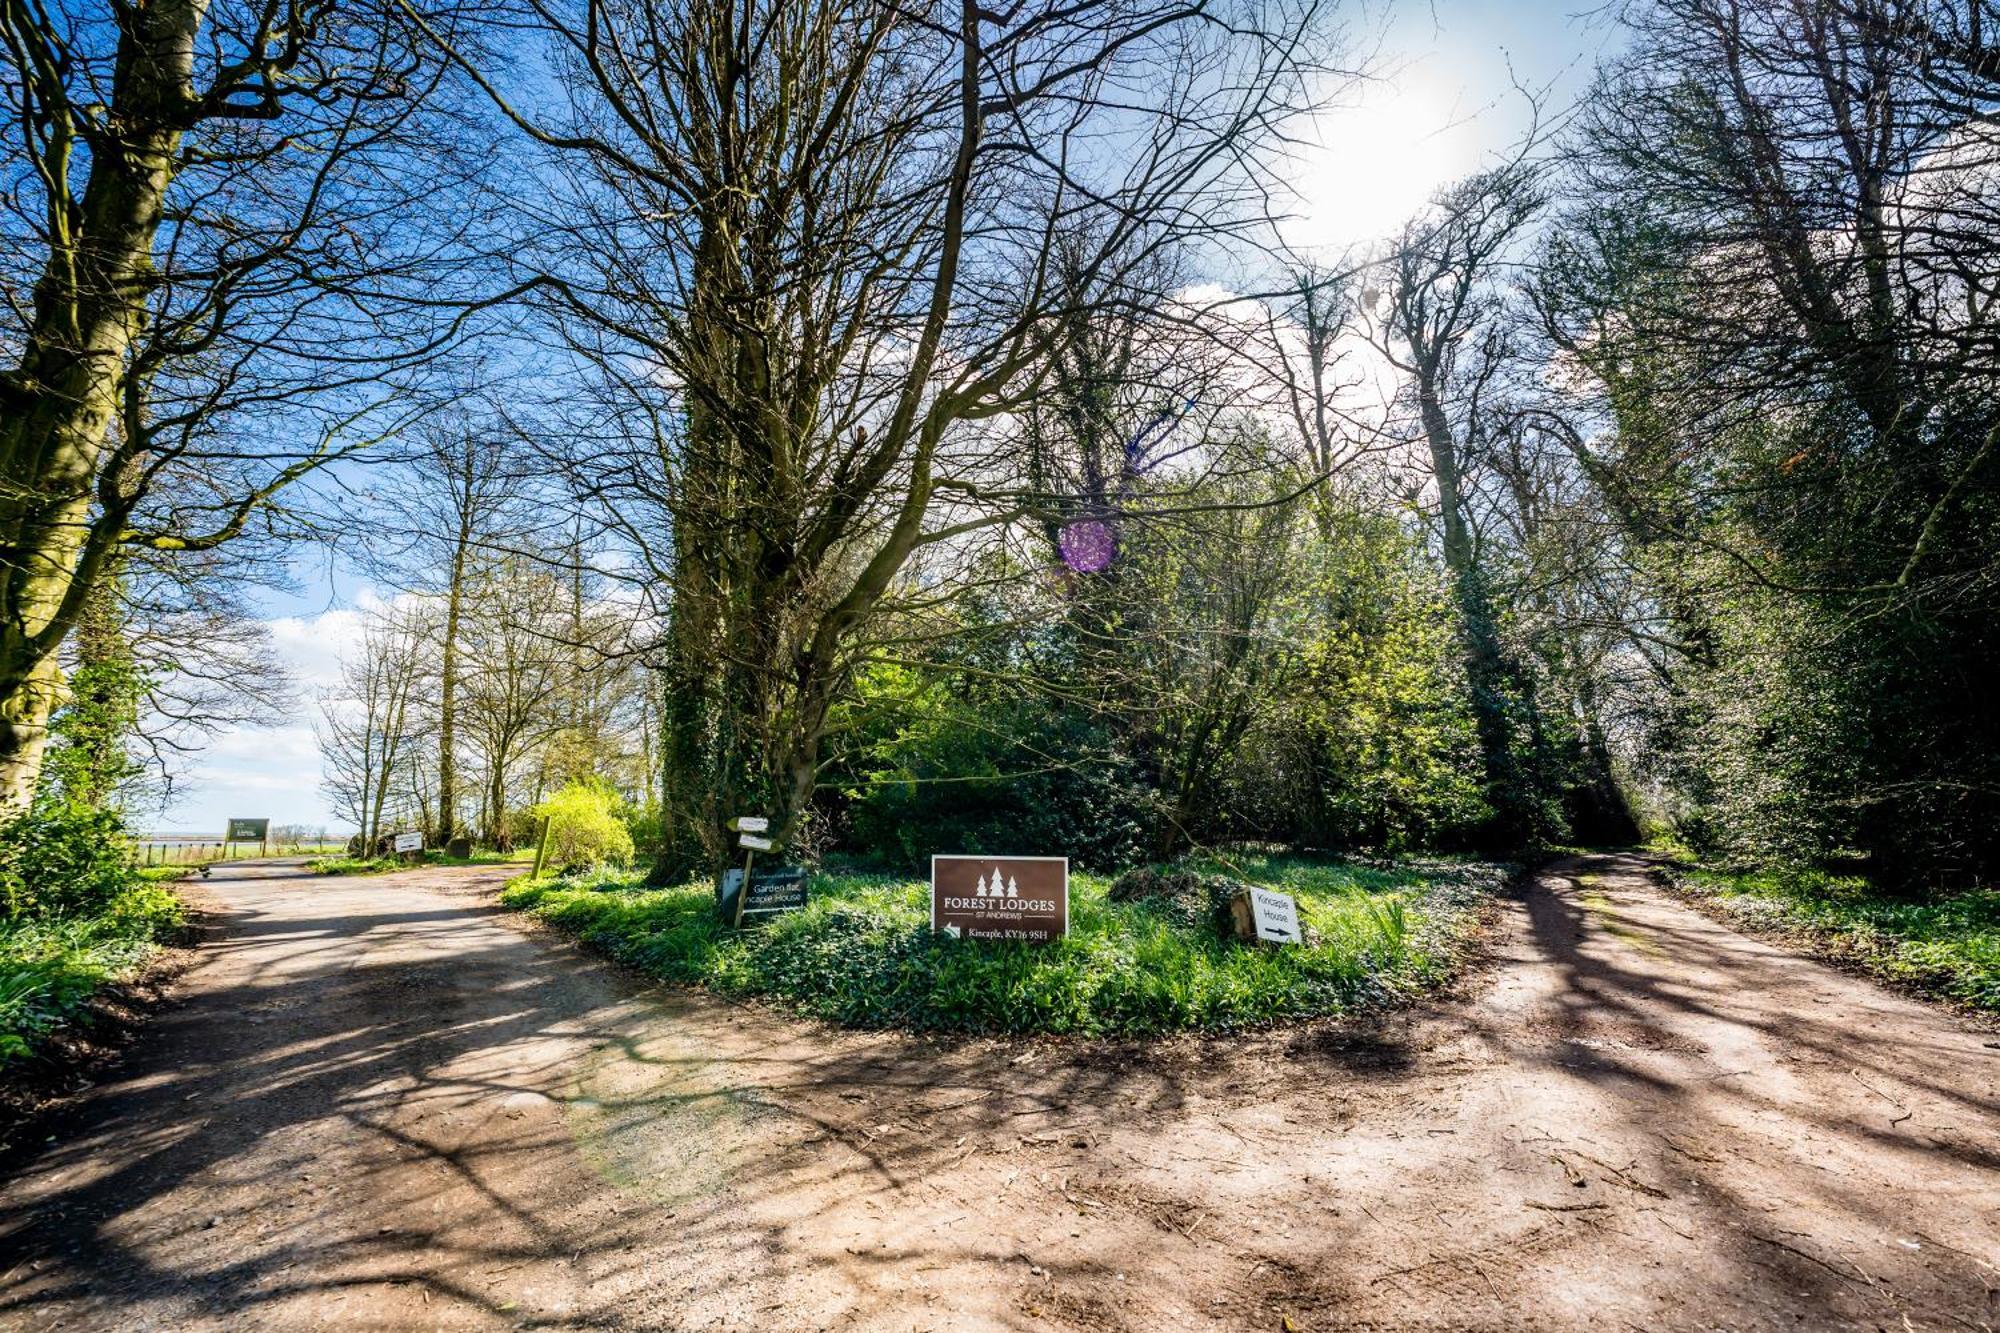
1947,945
862,953
382,865
51,966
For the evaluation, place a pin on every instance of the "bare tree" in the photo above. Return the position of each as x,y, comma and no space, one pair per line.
1443,326
364,731
210,276
804,245
514,676
443,513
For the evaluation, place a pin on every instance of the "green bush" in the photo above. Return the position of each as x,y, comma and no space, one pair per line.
56,859
584,829
74,915
863,953
968,768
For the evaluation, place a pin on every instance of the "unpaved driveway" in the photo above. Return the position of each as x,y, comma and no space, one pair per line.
380,1105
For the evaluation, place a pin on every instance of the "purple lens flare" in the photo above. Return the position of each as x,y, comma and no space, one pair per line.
1088,545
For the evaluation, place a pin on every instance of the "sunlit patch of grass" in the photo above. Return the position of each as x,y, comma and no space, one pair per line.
1947,944
862,952
382,865
51,966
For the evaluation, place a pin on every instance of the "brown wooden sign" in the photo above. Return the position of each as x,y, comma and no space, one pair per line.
1000,897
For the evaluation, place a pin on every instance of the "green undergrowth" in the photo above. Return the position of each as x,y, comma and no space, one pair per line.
1946,945
51,965
862,952
382,865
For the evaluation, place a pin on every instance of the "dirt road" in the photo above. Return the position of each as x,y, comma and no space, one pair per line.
378,1104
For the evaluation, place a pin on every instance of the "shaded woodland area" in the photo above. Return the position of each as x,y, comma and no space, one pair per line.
912,424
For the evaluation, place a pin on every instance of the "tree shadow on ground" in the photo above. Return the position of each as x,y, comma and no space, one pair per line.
396,1113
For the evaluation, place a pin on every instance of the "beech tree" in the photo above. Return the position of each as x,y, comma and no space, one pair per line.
801,247
211,282
1444,327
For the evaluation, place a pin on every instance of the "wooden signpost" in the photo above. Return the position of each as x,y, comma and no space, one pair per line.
744,892
1022,898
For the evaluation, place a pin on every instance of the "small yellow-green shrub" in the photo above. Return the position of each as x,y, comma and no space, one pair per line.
584,828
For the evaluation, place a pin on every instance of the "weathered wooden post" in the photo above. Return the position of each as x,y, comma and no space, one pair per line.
541,847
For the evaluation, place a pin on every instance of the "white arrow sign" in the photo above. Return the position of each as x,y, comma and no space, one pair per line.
755,843
750,824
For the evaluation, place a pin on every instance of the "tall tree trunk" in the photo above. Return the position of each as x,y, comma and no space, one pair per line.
448,682
56,405
1486,669
496,803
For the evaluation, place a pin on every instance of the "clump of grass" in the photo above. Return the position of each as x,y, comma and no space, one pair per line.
50,966
863,953
1947,944
382,865
355,865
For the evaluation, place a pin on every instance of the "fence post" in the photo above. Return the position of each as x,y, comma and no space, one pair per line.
541,848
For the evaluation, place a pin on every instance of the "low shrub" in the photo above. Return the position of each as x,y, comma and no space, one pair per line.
584,829
75,914
57,859
356,865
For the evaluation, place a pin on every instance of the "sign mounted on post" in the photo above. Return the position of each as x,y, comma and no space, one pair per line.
1000,897
248,830
1276,916
750,824
752,842
409,842
771,891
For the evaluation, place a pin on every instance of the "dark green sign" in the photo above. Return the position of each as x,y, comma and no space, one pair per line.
249,830
771,891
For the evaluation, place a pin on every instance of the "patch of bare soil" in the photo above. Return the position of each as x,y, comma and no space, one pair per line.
379,1105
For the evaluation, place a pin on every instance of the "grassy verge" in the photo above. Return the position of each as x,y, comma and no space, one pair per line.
50,966
1947,946
862,953
382,865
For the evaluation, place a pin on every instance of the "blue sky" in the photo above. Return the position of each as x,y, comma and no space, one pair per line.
1445,103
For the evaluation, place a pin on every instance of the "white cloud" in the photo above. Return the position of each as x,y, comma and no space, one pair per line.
272,772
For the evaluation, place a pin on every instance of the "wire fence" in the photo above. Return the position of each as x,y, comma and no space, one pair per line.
174,849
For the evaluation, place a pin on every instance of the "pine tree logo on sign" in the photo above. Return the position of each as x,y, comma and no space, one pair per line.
1024,898
994,889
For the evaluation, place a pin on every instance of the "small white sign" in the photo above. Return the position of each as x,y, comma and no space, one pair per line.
750,824
409,842
1276,915
755,843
